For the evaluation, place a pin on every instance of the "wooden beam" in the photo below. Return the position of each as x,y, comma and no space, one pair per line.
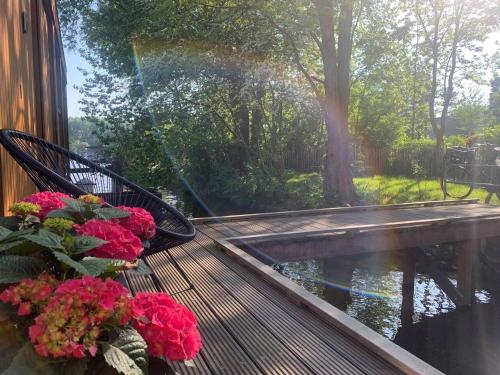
296,246
439,277
323,211
465,266
408,289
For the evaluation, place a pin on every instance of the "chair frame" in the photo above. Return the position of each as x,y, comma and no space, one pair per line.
47,179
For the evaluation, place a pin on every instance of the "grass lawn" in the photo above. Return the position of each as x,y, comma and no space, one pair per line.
389,190
378,189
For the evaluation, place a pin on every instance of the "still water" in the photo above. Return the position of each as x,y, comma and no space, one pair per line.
463,341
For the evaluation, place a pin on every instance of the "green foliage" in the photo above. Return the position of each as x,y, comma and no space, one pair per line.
214,96
57,248
82,244
491,134
46,239
404,156
13,268
82,134
79,211
126,352
28,362
472,114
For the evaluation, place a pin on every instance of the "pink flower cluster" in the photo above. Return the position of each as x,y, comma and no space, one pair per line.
47,200
74,314
169,328
72,321
122,243
123,236
140,222
30,293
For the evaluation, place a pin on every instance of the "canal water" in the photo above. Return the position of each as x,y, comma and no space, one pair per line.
462,341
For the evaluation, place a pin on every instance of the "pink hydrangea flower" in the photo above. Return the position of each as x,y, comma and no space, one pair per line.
140,222
122,243
30,293
47,200
169,328
73,320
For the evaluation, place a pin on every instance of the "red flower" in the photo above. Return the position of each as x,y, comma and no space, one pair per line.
122,243
140,222
169,328
30,293
75,316
47,200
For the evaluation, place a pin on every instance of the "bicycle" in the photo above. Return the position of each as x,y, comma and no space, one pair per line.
467,168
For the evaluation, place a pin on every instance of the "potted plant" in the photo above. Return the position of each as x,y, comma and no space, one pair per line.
62,310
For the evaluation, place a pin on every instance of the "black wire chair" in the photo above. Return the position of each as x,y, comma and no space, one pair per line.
54,168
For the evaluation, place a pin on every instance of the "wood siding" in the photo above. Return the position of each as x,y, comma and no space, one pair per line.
32,84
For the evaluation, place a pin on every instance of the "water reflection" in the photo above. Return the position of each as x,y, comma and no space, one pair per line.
411,310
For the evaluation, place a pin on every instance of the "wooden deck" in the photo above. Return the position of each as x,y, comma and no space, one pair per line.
253,320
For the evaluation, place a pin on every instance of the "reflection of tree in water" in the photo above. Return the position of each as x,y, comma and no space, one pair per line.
303,273
379,307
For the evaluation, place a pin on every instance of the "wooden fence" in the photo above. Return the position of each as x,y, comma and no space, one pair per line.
367,162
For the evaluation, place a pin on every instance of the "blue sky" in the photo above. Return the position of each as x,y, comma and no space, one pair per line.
76,78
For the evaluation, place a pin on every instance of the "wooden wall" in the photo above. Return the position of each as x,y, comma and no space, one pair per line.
32,84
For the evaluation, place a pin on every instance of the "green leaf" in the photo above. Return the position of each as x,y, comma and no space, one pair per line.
98,266
86,243
141,268
18,235
107,213
10,245
10,222
13,268
4,232
63,213
74,367
126,352
70,262
46,238
32,219
28,362
74,204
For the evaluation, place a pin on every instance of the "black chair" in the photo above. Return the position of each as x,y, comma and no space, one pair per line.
54,168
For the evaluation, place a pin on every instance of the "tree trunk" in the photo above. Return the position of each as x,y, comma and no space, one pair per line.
338,176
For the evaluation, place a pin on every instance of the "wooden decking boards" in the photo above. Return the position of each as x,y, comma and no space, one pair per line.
252,325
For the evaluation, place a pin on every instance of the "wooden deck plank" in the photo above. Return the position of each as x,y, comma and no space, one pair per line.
267,351
319,357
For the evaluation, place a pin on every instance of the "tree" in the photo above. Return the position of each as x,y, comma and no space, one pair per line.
451,30
324,34
471,114
494,100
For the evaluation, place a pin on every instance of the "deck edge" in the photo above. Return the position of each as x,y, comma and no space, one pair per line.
383,347
322,211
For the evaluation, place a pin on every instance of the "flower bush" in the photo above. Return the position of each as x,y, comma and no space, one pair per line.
140,222
58,258
121,243
47,201
30,293
72,321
